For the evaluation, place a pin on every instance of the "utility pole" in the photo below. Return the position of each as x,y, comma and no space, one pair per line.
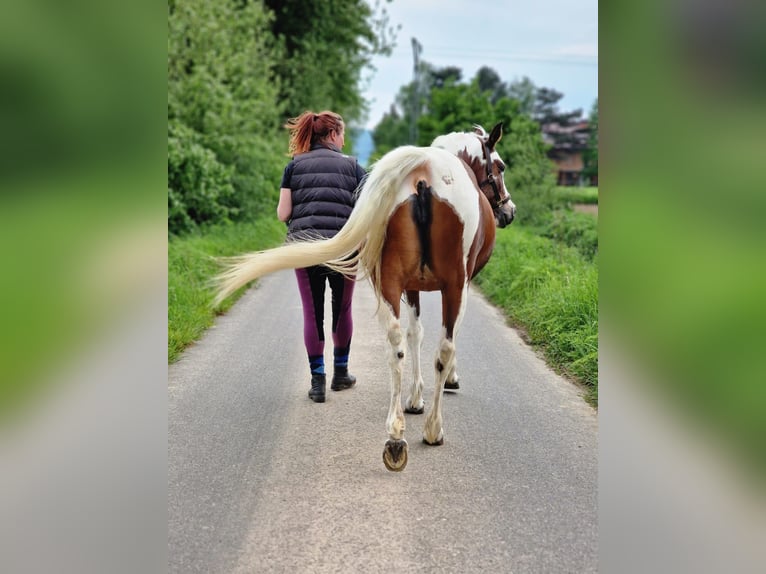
417,48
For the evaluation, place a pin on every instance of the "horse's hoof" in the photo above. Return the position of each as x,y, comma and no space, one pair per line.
451,385
438,442
395,455
413,410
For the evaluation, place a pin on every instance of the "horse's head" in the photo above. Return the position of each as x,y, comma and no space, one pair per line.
477,150
489,173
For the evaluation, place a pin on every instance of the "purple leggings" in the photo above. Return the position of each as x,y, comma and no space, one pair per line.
311,285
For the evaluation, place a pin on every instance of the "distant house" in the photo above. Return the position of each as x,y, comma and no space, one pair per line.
567,146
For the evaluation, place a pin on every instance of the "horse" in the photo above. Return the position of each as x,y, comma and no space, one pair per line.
425,220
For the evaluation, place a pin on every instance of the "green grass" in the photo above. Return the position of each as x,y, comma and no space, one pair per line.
550,291
191,265
578,230
570,195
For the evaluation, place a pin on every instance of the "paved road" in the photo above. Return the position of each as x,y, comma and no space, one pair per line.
261,479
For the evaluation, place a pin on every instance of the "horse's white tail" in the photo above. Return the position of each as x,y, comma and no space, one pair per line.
356,248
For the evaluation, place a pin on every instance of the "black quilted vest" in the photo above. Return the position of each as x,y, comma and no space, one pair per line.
323,182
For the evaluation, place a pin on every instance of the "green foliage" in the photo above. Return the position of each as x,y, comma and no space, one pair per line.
392,131
523,91
220,79
222,112
568,195
528,177
578,230
590,155
455,107
191,266
236,70
325,48
545,108
551,292
198,185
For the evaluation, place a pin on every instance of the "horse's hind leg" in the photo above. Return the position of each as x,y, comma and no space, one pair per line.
452,308
415,403
453,380
395,450
433,432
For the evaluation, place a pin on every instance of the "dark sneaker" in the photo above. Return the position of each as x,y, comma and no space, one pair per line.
342,380
318,383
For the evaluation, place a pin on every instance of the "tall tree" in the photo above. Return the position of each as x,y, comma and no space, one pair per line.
223,114
489,81
391,131
411,103
524,91
545,109
326,46
440,77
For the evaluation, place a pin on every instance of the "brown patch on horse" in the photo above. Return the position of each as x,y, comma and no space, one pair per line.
446,245
402,252
484,240
474,166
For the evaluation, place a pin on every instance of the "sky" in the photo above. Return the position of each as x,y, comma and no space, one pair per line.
553,42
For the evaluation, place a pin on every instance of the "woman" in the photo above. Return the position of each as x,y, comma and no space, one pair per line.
316,198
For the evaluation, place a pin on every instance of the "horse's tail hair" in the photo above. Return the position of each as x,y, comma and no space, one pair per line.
379,197
242,269
355,249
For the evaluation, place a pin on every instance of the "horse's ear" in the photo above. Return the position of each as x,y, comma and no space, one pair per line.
495,135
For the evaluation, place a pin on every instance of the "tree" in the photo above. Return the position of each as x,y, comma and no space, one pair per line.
545,109
489,81
325,48
440,77
223,114
236,70
455,107
390,132
541,104
590,155
523,91
410,104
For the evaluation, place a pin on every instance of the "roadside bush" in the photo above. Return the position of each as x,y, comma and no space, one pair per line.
198,185
578,230
567,196
256,178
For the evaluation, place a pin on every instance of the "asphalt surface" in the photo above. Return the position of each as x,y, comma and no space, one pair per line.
261,479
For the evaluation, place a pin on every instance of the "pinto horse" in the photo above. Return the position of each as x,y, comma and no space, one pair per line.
424,220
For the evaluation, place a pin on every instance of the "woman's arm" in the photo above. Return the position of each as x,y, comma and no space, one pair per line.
285,207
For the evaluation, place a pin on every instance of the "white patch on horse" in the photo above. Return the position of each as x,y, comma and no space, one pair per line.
460,193
457,142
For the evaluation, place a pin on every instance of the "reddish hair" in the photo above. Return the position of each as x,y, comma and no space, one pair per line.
310,128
